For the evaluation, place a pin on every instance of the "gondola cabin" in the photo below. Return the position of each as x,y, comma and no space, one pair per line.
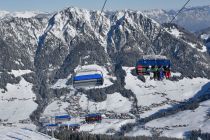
89,118
87,78
62,118
145,65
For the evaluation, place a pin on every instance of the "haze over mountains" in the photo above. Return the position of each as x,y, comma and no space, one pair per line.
193,19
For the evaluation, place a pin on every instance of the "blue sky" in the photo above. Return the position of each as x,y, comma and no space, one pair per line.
54,5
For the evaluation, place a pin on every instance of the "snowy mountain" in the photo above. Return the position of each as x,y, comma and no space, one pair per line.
40,54
26,14
205,36
194,18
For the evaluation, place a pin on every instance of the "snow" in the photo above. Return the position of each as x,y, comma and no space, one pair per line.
205,36
174,32
18,73
25,14
154,12
193,19
115,102
61,83
204,49
87,72
176,74
55,108
157,95
3,13
154,57
138,132
11,133
18,102
72,32
105,125
187,120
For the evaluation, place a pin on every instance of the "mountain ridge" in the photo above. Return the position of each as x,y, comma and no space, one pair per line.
192,18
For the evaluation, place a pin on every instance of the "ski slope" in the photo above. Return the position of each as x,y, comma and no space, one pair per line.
15,133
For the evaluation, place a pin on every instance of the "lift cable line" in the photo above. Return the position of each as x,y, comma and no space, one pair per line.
103,6
161,27
141,64
97,20
179,11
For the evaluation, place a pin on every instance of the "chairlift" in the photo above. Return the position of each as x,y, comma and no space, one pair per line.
87,78
144,65
157,60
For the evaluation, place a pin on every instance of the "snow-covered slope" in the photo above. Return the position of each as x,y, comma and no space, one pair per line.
179,124
115,103
26,14
18,100
181,34
15,133
155,96
107,126
205,36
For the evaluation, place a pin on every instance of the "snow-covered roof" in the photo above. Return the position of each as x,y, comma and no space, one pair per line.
87,72
154,57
